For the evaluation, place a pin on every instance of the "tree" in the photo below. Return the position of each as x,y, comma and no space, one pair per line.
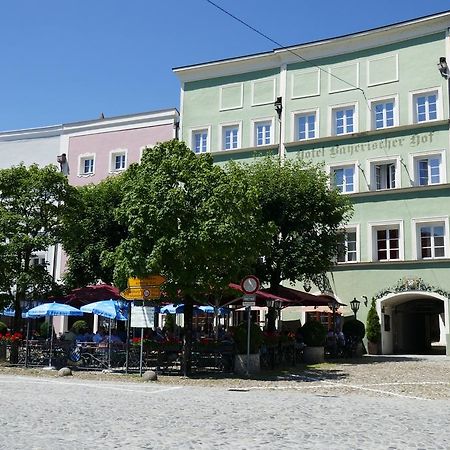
32,202
373,327
188,220
90,231
306,216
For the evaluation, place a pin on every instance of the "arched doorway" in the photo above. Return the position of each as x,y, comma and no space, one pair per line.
414,323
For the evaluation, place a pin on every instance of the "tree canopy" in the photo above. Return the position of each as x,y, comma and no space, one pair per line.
306,215
187,219
91,231
32,202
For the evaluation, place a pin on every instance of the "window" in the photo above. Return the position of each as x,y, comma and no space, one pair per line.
230,137
384,174
343,178
347,247
383,114
343,120
118,161
425,106
200,141
428,170
87,165
305,126
432,240
37,261
263,133
387,244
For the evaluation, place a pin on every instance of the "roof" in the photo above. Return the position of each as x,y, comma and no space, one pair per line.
270,59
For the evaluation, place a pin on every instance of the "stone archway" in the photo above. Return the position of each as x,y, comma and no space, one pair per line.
413,323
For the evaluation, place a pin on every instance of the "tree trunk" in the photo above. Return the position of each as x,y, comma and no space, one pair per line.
187,349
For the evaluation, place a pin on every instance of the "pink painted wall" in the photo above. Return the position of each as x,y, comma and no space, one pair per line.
102,143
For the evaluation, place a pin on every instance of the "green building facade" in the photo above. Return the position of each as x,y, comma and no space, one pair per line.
373,108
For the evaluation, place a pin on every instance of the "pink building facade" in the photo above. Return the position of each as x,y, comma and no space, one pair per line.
100,148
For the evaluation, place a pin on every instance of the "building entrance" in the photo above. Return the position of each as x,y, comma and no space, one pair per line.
413,323
417,326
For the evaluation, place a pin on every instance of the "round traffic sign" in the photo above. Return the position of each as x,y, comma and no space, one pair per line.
250,284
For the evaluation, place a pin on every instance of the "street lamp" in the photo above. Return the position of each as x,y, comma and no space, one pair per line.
354,304
333,306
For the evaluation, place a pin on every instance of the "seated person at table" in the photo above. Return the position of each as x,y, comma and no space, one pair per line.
115,339
69,336
86,337
99,336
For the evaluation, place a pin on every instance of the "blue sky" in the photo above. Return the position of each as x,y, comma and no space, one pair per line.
65,61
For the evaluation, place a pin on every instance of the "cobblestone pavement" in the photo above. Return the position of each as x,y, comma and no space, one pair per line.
377,404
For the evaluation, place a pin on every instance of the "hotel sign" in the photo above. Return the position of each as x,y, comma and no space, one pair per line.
386,144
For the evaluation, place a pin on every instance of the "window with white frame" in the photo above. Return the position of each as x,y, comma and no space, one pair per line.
230,137
343,178
87,165
200,141
425,106
263,133
118,161
383,114
383,175
344,120
347,246
428,169
305,125
431,240
38,261
387,243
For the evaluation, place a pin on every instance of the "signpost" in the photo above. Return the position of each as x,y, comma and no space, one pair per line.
250,285
142,317
146,288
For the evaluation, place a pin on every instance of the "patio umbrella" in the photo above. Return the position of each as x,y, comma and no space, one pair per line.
111,309
208,309
50,310
7,312
177,309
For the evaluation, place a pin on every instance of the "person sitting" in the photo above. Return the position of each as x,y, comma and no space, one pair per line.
69,336
99,336
115,339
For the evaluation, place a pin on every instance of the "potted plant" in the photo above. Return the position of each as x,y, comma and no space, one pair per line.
314,334
354,331
373,330
240,341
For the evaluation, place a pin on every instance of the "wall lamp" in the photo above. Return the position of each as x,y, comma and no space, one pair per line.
443,67
278,106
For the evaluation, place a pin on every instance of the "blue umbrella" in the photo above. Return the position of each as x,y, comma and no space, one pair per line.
7,312
111,309
210,310
177,309
53,309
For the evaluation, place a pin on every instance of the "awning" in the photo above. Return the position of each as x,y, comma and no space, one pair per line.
288,296
303,298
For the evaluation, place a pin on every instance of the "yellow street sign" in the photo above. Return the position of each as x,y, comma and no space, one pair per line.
137,293
151,280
